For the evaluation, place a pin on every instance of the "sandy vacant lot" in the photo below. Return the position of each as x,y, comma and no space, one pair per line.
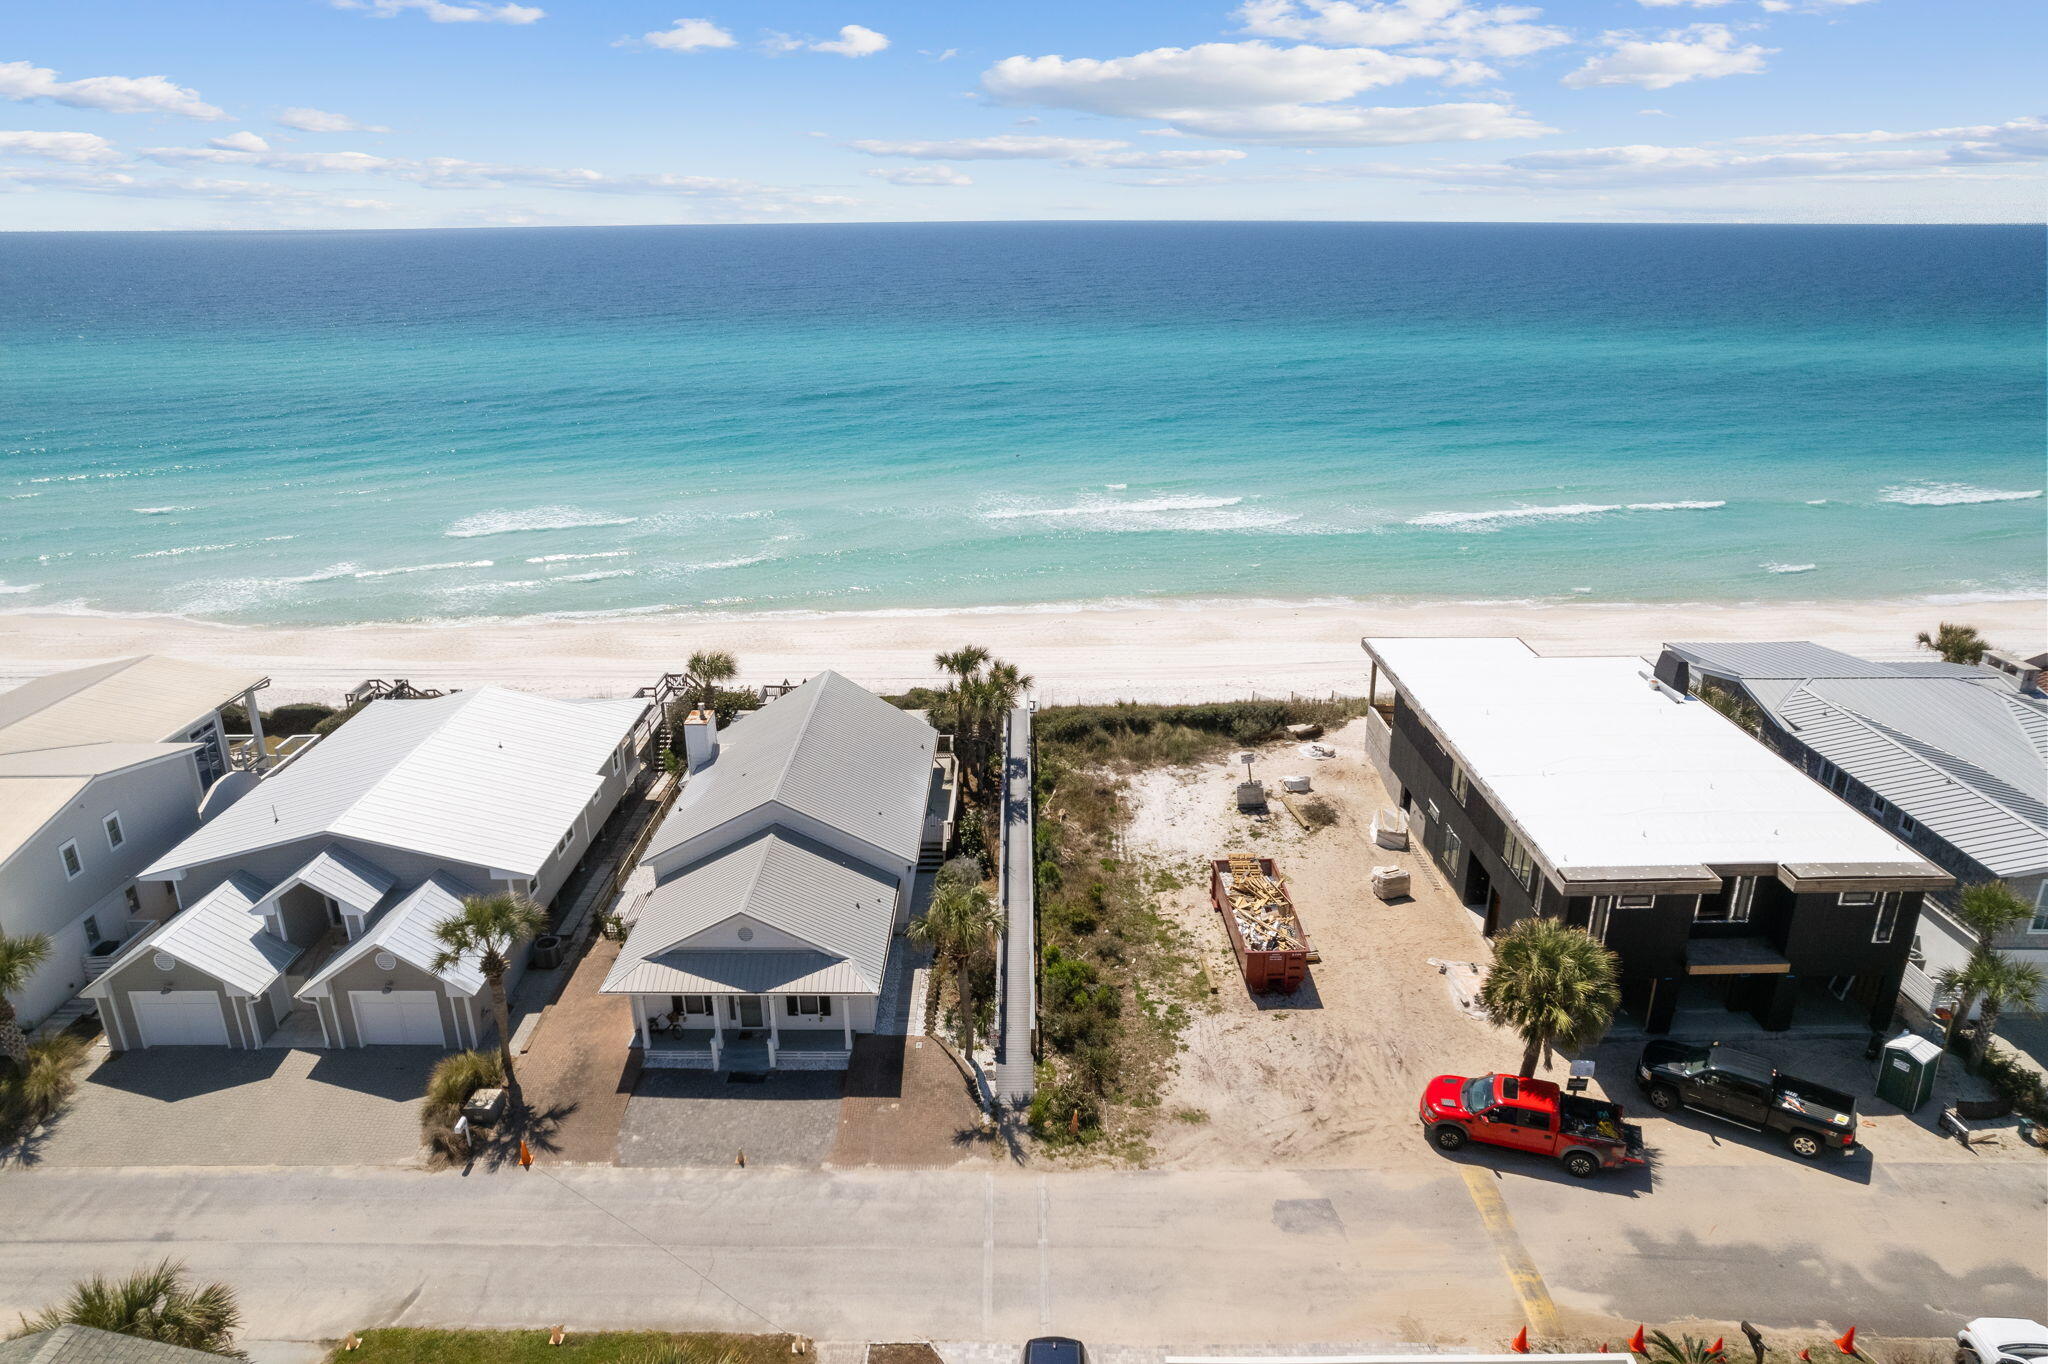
1330,1076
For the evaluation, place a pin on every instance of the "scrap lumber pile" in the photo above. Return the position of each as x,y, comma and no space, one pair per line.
1264,919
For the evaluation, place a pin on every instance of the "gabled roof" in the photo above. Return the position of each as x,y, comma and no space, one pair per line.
406,931
830,750
839,905
72,1344
37,783
490,778
222,935
340,875
139,700
1799,660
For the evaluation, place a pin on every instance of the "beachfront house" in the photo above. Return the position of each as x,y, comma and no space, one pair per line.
1951,758
319,891
1584,789
102,770
780,879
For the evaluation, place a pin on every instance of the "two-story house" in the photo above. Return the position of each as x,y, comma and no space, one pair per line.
1952,759
1584,789
102,770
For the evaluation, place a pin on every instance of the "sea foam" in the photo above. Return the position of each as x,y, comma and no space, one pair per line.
570,558
1788,568
1156,504
14,589
1457,519
421,568
1949,495
532,519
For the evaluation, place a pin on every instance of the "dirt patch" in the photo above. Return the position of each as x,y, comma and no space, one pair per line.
581,1068
907,1106
903,1354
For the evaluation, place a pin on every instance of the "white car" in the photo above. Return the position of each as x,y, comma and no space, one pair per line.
2002,1340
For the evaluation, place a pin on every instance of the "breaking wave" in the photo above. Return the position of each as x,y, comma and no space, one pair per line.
1949,495
1156,504
421,568
532,519
568,558
1457,519
1788,568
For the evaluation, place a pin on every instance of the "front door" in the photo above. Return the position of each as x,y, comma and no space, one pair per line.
746,1010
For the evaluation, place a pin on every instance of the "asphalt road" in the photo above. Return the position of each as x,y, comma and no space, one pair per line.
1152,1258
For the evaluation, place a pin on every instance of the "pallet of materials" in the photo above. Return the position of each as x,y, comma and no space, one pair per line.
1273,949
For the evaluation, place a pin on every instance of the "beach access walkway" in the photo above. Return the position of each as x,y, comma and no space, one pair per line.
1017,975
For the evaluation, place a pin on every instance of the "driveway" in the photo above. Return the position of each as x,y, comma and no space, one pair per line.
701,1117
177,1106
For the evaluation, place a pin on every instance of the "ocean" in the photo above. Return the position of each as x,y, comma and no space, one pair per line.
318,428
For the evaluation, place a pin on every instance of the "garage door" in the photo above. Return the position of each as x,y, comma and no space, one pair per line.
404,1018
182,1018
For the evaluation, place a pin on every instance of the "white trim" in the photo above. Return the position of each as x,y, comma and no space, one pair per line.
113,818
469,1020
76,856
110,1018
326,1037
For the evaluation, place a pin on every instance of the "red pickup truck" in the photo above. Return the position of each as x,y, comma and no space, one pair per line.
1585,1135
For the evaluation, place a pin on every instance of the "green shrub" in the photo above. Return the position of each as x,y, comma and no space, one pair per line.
32,1096
1077,1006
338,719
2016,1083
973,843
1319,813
300,717
454,1079
1182,734
1059,1107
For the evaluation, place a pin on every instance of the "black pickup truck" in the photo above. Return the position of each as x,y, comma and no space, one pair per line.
1744,1088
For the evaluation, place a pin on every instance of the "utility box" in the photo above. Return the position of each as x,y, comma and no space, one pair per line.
1906,1071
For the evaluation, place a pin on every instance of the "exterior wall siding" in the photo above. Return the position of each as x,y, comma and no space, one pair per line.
365,975
143,975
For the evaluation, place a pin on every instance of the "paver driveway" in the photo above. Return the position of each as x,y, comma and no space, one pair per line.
172,1106
700,1117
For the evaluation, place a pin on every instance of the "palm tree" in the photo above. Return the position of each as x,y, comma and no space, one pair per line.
19,958
964,663
706,669
1987,909
154,1304
1552,984
1662,1349
1955,643
1995,981
961,926
489,928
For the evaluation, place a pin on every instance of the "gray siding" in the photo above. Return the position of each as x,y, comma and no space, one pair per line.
142,975
365,975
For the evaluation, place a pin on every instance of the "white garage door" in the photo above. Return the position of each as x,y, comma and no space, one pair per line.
404,1018
182,1018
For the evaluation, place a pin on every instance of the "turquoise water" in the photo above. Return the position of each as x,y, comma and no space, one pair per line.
334,427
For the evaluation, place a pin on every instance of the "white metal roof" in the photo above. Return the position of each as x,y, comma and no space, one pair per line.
1600,768
406,931
340,875
829,749
490,778
139,700
222,935
837,904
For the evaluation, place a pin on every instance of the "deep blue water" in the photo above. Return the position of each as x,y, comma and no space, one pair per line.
319,427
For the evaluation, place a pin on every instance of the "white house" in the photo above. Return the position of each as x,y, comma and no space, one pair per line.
780,877
323,886
102,770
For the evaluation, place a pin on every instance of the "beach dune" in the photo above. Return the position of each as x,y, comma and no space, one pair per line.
1171,652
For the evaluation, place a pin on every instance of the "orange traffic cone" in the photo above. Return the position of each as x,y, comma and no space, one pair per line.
1846,1343
1635,1342
1603,1347
1720,1343
1807,1356
1520,1344
525,1156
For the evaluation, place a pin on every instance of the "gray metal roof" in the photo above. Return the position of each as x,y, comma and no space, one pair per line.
222,935
1784,658
406,931
829,749
837,904
340,875
744,973
87,1345
490,778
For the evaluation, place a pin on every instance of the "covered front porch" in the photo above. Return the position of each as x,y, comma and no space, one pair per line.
748,1032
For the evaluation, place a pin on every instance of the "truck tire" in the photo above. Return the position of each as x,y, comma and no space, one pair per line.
1805,1145
1663,1098
1448,1136
1580,1164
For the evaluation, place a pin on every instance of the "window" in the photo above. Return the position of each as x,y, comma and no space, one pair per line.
2040,924
809,1006
1908,825
1520,860
92,931
618,759
1635,901
697,1004
112,824
1460,783
1855,898
1739,898
134,898
567,839
1887,918
68,855
1603,910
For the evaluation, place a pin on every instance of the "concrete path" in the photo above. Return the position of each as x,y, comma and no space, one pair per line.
1178,1258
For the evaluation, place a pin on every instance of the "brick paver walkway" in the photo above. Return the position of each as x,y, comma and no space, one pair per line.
580,1070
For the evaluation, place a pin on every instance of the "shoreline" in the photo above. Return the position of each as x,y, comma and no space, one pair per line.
1161,652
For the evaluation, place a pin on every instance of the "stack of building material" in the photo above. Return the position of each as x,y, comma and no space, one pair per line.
1263,917
1390,829
1390,883
1295,784
1304,731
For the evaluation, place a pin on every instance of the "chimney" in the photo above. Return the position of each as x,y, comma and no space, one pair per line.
700,739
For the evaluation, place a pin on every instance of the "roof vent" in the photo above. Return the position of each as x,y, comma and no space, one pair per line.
164,961
386,962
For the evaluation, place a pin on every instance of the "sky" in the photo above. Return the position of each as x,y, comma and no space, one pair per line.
265,114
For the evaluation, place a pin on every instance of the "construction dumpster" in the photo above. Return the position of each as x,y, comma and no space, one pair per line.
1273,950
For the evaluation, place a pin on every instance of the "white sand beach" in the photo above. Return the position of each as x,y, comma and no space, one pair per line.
1171,652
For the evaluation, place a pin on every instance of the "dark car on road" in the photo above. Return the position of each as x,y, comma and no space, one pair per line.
1055,1350
1747,1090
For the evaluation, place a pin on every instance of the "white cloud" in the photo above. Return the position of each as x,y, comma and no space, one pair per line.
440,12
1094,153
1674,4
854,41
122,184
920,175
113,94
689,35
1256,91
320,121
78,148
241,142
1701,52
1448,26
2018,139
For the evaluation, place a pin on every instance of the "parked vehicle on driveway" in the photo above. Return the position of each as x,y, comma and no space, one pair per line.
1584,1135
2002,1340
1747,1090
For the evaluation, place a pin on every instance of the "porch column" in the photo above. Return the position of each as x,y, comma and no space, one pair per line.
640,1021
768,1003
261,759
845,1022
717,1019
